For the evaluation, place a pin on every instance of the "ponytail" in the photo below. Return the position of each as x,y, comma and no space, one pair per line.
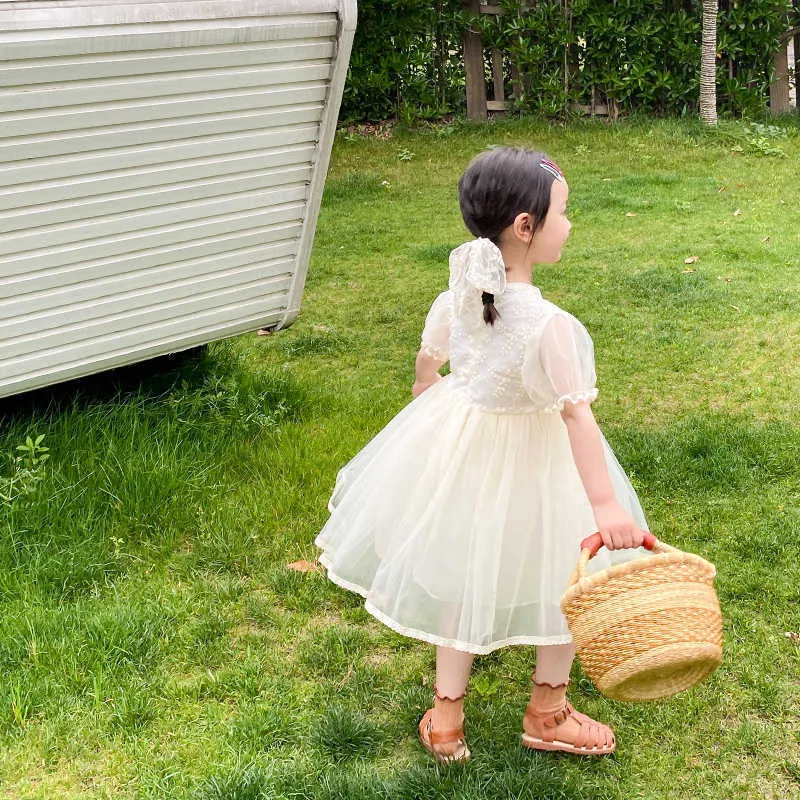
490,313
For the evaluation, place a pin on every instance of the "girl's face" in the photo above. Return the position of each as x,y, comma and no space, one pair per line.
549,239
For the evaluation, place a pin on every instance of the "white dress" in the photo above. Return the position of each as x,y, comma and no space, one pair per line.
460,522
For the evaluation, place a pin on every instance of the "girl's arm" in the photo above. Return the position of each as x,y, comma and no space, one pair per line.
427,371
614,523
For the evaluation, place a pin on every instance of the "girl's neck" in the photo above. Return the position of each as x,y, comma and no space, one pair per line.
518,270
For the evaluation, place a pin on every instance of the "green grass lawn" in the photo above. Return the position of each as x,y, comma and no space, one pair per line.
153,643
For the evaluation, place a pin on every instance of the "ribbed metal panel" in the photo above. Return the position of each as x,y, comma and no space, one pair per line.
160,173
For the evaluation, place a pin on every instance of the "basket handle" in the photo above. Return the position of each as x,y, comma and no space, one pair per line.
594,542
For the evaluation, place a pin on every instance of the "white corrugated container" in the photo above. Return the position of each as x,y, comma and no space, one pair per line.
161,170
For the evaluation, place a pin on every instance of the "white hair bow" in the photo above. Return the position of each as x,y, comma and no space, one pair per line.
476,267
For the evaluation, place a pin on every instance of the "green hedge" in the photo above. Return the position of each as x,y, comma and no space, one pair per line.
407,54
635,55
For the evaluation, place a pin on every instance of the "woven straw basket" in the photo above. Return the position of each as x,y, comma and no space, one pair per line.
647,628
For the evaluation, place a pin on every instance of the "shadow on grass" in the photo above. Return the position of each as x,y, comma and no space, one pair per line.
726,487
712,453
150,378
134,457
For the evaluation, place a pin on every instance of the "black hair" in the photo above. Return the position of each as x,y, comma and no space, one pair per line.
496,187
490,313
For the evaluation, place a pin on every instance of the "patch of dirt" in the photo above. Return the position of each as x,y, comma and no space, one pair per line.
377,130
248,630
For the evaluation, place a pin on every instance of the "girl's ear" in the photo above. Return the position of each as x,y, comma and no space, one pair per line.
523,227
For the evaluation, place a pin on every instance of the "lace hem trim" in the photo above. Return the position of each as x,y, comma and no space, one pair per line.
430,638
588,396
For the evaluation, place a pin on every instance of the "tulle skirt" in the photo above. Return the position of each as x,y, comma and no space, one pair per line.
461,527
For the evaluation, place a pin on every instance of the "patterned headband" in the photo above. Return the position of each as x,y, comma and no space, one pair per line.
549,166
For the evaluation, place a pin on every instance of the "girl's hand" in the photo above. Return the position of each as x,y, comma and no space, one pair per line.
616,526
420,386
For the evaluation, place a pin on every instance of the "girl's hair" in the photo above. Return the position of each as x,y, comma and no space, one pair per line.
496,186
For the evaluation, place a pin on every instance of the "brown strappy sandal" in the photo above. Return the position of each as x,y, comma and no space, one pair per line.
544,730
432,739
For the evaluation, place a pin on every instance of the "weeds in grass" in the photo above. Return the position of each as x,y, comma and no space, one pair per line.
317,342
793,770
297,591
332,650
344,734
754,138
133,709
258,728
26,472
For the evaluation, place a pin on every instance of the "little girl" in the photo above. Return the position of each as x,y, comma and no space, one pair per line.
460,522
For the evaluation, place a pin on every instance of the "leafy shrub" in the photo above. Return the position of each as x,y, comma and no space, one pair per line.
634,55
405,56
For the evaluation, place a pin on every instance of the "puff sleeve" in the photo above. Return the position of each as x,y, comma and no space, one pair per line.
436,333
558,367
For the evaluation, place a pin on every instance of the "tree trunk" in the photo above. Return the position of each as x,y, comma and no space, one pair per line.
708,63
473,62
779,85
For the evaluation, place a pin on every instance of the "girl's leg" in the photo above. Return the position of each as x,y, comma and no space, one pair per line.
551,723
441,729
452,673
553,664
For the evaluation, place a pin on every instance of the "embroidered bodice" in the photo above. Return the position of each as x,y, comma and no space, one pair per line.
535,358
